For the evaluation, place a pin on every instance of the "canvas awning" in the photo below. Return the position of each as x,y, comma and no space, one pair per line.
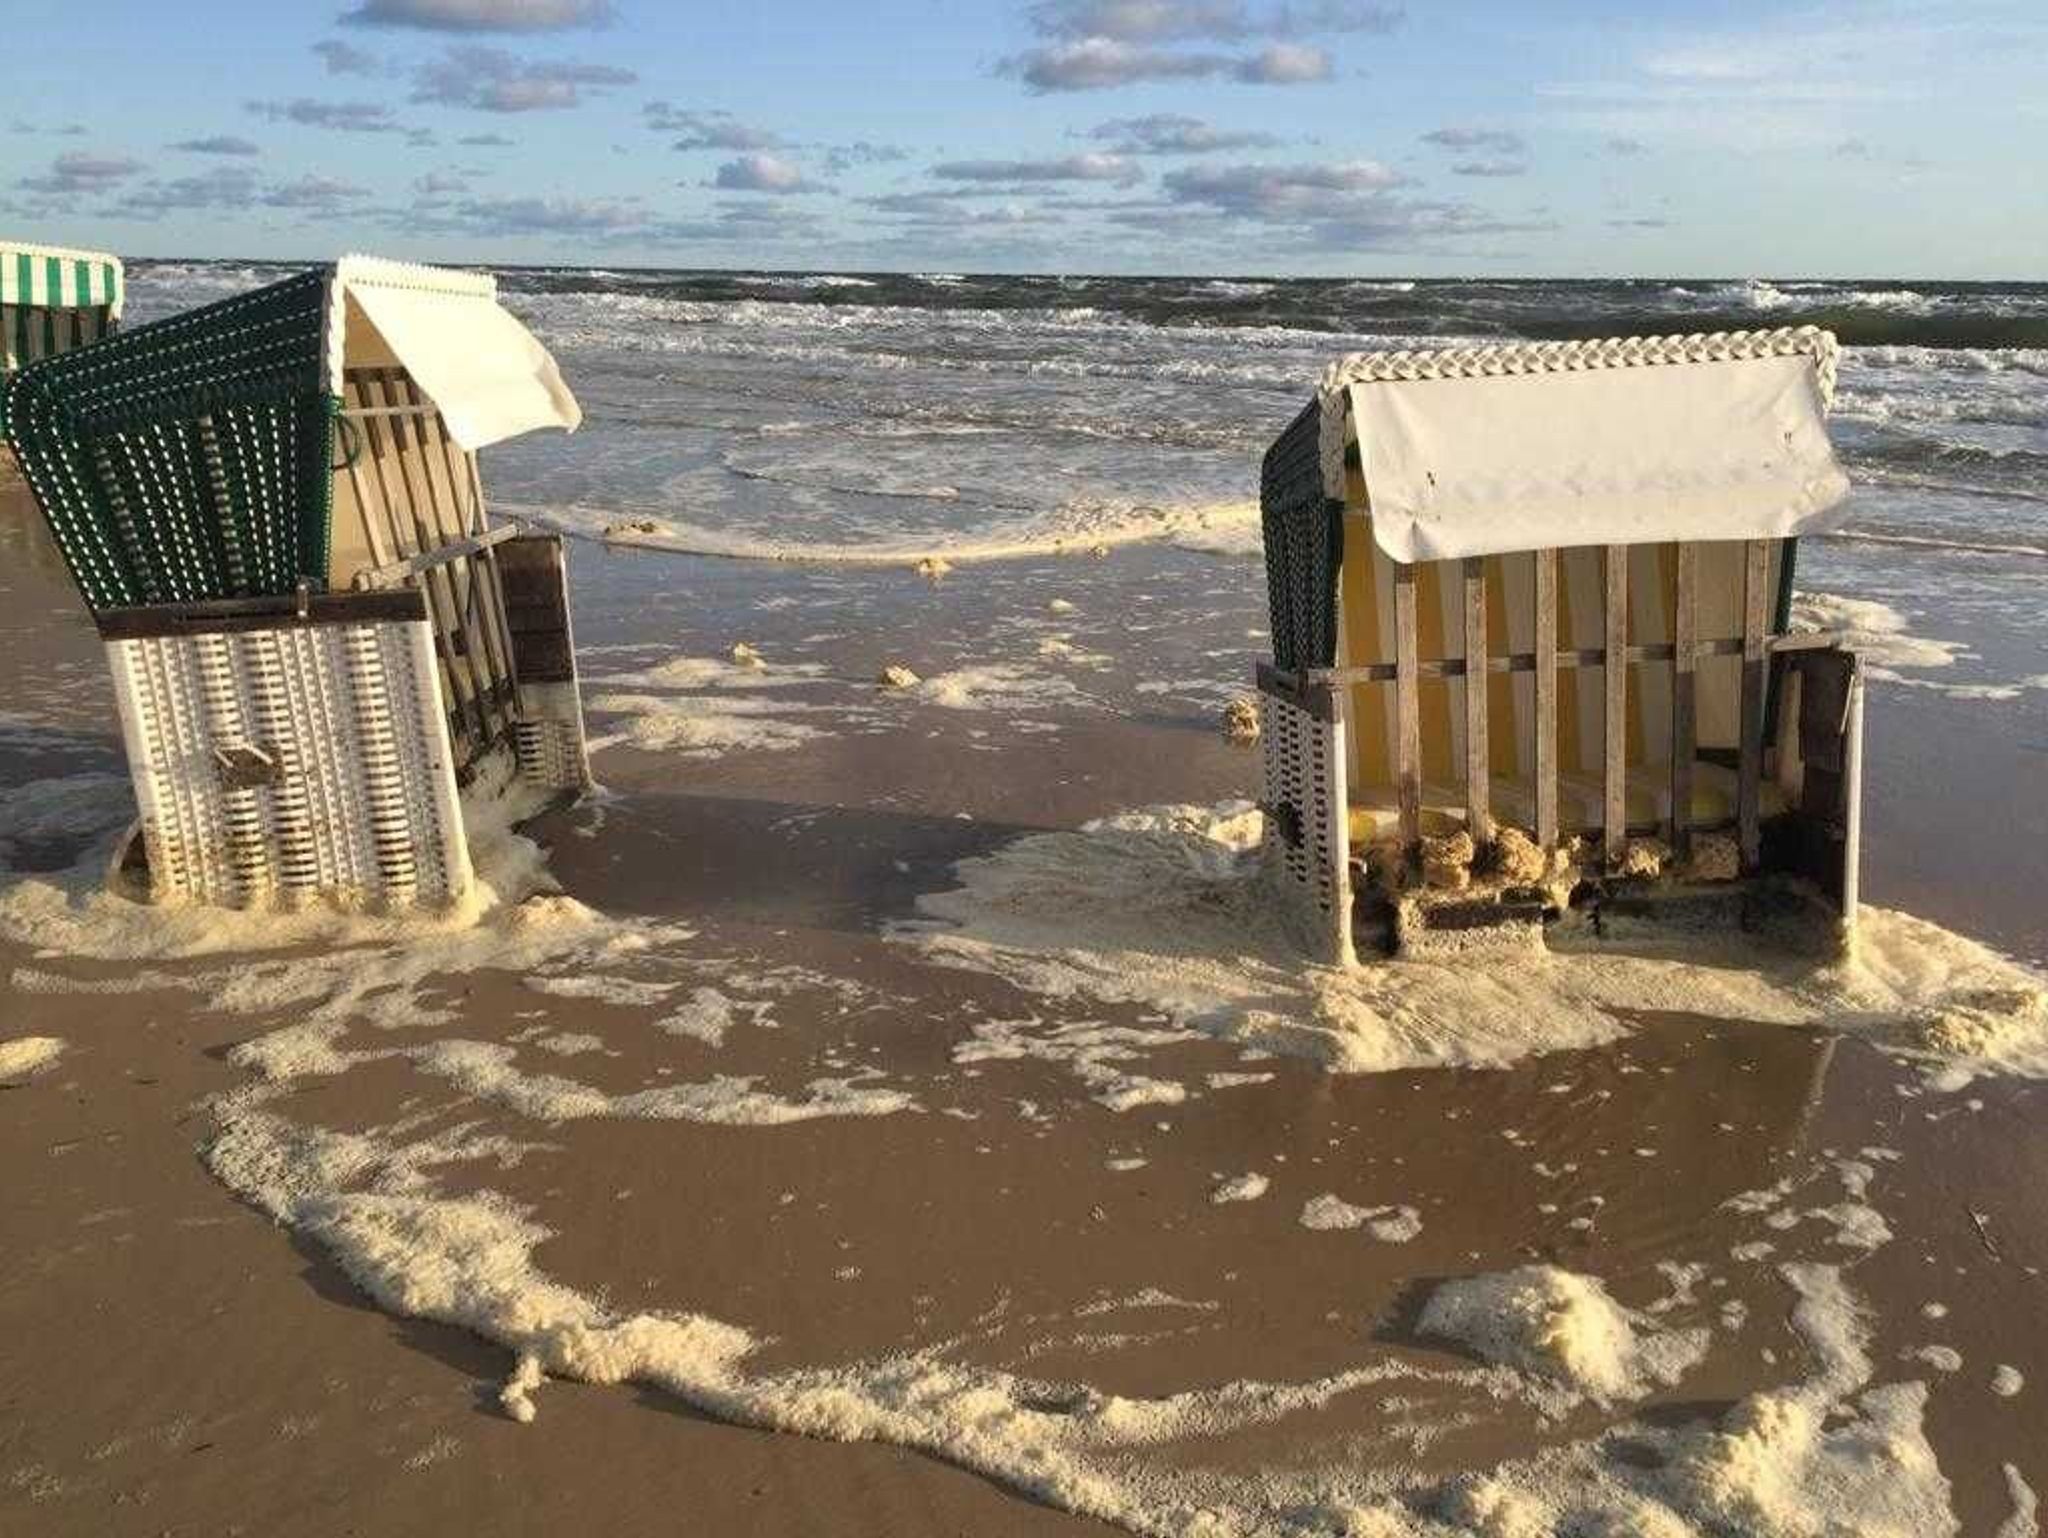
51,277
1725,448
489,376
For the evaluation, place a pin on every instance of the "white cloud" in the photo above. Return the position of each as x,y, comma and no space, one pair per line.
362,117
1102,63
1170,21
219,144
707,130
1169,133
78,174
1067,168
492,80
320,194
1285,64
551,216
761,173
1499,141
1280,191
345,58
862,152
1350,204
1094,45
481,15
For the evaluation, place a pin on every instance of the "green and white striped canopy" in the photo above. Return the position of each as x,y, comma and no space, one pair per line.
49,277
52,300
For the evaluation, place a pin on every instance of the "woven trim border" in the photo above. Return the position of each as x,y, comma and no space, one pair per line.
1514,358
377,272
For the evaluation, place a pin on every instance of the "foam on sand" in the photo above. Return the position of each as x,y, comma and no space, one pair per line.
69,911
1875,631
1239,1188
1001,686
1093,1052
1075,527
28,1057
706,707
1391,1224
487,1070
1826,1441
2025,1520
1561,1326
1878,634
1166,908
704,726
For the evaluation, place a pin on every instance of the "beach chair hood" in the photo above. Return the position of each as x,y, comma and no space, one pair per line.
488,375
52,300
1478,451
193,458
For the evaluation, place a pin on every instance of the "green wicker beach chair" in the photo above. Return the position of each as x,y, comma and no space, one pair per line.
52,300
1536,596
319,642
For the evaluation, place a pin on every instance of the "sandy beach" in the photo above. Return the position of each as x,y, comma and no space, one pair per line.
934,1225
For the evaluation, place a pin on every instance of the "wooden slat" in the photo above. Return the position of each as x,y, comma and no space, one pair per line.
1546,698
1684,696
1478,790
1749,769
1614,822
410,523
481,615
376,519
490,574
1407,710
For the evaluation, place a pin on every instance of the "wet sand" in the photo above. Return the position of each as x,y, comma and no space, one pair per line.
176,1363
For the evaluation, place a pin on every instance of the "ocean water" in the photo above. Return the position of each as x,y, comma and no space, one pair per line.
850,419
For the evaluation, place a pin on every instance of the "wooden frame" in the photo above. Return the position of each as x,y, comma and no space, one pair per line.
1756,646
421,504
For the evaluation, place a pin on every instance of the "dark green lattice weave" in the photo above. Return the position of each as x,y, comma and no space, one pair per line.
189,459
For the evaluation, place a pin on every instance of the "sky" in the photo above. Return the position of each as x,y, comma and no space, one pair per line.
1255,137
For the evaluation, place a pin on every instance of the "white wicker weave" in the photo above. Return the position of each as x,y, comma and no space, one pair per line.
284,764
548,738
1304,764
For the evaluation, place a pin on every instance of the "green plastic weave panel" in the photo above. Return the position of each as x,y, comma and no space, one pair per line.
189,459
1304,539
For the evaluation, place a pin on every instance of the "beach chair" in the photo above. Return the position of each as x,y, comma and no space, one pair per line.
325,655
1544,587
52,300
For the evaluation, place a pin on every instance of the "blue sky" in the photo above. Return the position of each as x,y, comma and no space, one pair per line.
1198,136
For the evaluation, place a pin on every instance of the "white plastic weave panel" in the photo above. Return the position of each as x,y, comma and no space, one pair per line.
549,737
358,805
1301,761
1559,358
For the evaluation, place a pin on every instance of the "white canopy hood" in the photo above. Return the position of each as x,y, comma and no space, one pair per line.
489,376
1651,450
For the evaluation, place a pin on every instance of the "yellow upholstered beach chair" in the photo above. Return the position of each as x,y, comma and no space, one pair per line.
1602,534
